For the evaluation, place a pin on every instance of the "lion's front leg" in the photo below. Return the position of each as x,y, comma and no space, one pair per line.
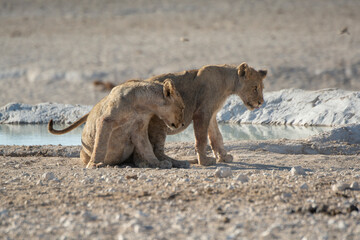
143,153
201,126
157,137
216,142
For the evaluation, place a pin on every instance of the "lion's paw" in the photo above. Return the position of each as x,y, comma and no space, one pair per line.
227,158
180,164
92,165
207,161
165,164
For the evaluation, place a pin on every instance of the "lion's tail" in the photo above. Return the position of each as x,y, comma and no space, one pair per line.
68,129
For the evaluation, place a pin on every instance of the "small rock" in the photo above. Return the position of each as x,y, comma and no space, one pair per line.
242,178
140,214
298,170
39,183
89,217
304,187
142,176
87,181
48,176
352,208
25,175
184,39
355,186
286,195
4,213
223,172
340,186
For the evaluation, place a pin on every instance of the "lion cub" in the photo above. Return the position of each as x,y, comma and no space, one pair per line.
117,127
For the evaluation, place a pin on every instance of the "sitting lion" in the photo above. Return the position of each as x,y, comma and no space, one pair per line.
204,92
117,127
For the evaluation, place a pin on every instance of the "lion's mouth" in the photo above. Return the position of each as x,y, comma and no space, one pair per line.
251,106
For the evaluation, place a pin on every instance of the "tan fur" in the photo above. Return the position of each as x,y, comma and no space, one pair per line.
117,127
204,92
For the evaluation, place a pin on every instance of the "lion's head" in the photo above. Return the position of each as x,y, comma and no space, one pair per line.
251,90
172,112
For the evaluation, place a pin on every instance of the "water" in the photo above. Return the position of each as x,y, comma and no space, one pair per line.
38,134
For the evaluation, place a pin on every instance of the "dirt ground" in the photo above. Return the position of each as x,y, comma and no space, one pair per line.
52,51
46,193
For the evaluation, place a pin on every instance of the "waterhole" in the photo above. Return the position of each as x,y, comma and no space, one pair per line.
38,134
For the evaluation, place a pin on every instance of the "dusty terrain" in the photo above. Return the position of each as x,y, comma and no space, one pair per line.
52,51
46,194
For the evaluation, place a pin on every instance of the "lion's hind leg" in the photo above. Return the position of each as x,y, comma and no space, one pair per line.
84,157
216,142
102,138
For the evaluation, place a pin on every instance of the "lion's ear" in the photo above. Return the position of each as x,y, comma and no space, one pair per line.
168,88
242,69
263,73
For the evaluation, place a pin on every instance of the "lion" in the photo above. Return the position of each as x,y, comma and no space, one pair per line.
116,128
204,92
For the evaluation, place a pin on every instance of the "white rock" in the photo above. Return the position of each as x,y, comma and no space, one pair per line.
242,178
304,187
142,176
340,186
223,172
354,185
298,170
40,183
48,176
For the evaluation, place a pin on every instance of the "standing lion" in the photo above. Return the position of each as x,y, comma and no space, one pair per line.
204,92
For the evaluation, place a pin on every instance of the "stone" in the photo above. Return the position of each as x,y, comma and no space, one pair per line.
298,170
223,172
89,217
242,178
304,187
48,176
340,186
355,186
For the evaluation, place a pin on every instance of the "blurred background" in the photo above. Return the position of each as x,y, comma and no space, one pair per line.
54,50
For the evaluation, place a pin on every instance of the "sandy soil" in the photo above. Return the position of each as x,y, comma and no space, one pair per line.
47,193
54,50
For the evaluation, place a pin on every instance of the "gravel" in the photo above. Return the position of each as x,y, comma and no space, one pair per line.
256,197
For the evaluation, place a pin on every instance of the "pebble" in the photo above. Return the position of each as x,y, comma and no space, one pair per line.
298,170
87,181
40,183
48,176
286,195
142,176
242,178
223,172
88,216
340,186
304,187
4,213
184,39
354,186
